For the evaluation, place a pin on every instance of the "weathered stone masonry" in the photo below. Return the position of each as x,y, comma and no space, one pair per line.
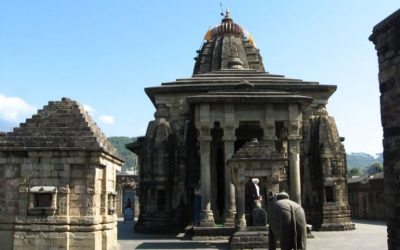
57,182
386,37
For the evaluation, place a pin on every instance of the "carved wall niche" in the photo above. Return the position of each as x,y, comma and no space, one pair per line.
42,200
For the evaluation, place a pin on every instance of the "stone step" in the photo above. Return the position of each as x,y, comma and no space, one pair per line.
210,233
251,238
249,245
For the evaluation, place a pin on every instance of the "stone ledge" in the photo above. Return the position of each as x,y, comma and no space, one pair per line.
213,231
209,238
250,239
337,227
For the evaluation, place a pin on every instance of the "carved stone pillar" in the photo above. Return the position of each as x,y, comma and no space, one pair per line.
207,217
269,128
230,203
240,194
229,148
294,165
294,138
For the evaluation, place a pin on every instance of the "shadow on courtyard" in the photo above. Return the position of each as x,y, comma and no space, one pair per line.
131,240
369,234
126,232
181,245
369,222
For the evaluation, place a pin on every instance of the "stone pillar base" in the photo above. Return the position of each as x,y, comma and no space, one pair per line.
207,218
230,218
345,226
242,224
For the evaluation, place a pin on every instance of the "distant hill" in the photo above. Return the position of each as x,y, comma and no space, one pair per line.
364,164
130,158
362,160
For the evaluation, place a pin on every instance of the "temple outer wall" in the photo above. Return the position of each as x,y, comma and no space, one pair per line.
84,216
57,182
386,37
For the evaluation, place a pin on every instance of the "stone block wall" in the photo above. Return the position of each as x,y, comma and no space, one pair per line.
366,197
386,37
81,207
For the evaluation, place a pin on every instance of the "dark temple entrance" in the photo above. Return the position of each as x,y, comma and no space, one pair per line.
248,130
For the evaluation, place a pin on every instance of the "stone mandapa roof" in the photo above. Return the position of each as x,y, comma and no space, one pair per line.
62,125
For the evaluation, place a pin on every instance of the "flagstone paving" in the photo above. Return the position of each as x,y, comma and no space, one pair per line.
369,235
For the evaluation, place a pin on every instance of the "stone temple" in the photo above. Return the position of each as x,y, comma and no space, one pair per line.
230,121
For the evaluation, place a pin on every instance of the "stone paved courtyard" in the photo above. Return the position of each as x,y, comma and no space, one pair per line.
368,235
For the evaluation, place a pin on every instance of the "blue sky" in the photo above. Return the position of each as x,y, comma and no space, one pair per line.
103,53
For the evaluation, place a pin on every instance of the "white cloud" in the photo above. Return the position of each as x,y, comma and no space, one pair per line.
14,108
107,119
89,109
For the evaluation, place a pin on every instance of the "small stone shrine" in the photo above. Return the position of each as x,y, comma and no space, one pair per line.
202,121
58,182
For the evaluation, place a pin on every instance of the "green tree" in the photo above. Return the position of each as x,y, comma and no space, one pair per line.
373,169
354,172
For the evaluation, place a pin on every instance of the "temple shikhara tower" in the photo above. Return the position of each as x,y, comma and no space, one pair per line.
232,121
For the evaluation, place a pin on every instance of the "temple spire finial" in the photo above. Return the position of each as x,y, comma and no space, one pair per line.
227,17
227,13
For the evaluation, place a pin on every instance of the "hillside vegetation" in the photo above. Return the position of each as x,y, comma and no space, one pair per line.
361,160
130,158
364,164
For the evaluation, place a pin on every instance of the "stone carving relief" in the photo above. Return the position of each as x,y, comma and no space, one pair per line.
160,137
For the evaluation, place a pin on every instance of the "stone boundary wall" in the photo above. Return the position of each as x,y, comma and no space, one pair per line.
366,197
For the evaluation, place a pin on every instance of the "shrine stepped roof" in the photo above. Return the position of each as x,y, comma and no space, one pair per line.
60,125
